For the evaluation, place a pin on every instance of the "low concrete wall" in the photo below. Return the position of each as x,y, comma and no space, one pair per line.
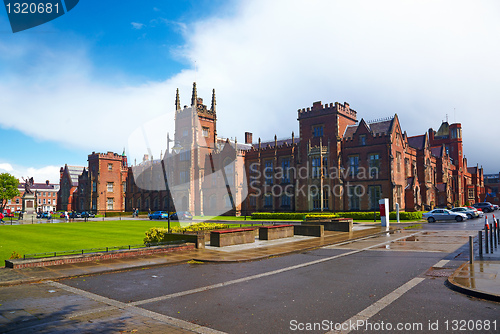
53,261
197,238
335,224
275,232
223,238
309,230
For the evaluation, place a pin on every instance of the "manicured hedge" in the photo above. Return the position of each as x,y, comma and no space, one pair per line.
279,215
354,215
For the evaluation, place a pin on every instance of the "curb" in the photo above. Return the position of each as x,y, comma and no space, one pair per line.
450,283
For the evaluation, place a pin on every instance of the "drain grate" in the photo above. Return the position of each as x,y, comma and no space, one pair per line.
439,272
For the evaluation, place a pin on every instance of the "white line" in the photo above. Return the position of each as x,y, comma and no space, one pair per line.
137,310
269,273
379,305
441,264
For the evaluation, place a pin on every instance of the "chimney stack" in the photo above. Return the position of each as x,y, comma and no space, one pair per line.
248,138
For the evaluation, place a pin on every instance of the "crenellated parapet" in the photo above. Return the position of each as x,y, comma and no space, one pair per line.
319,109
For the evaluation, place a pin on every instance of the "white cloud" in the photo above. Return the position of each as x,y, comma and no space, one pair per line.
137,26
40,175
420,59
6,167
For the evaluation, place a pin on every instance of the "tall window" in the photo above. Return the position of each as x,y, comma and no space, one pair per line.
325,199
407,168
110,204
110,166
318,131
268,172
398,162
110,187
227,202
229,170
285,166
253,200
362,140
353,164
316,201
184,176
205,132
325,166
374,161
315,162
285,201
399,192
353,199
184,155
268,200
374,195
124,186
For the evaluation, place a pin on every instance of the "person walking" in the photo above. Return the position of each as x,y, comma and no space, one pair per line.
1,217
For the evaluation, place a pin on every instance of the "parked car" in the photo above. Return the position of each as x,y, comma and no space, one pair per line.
495,207
484,206
75,214
181,215
158,215
86,214
479,212
42,215
470,213
443,214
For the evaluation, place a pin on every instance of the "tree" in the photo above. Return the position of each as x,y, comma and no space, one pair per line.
8,189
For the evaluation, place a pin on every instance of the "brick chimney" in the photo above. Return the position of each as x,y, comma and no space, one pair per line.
248,138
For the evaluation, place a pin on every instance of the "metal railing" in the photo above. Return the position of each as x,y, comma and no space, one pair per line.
100,249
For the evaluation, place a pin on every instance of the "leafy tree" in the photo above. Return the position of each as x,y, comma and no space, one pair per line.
8,189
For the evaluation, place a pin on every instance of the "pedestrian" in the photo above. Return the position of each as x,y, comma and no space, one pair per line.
137,212
1,217
20,215
66,217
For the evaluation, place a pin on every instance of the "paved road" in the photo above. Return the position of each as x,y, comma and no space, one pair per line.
391,280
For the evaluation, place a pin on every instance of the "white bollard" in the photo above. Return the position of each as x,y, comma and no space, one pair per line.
384,212
397,212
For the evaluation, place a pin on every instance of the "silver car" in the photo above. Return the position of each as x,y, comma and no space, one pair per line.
469,212
443,214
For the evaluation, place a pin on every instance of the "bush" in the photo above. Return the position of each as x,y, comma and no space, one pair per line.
161,234
15,255
328,215
321,216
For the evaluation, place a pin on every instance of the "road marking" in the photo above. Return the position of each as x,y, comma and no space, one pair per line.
379,305
137,310
269,273
441,264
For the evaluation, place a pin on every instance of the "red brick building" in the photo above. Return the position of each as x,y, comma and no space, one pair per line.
335,164
45,193
98,188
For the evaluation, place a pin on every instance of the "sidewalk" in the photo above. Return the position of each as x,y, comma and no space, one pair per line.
264,249
481,278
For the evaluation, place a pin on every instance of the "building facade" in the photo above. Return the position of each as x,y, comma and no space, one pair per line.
46,195
337,163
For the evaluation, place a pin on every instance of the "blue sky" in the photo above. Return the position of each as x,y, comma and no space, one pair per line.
121,61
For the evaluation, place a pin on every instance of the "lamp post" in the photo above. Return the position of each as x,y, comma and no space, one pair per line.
176,150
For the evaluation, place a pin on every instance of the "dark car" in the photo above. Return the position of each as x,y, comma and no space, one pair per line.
158,215
42,215
86,214
181,215
484,206
75,215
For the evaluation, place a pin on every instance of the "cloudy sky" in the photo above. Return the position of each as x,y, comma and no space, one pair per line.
85,81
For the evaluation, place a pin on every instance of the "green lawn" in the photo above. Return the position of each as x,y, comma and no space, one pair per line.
41,238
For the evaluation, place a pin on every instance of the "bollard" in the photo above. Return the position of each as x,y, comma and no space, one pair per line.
471,249
498,231
480,242
486,248
495,233
491,240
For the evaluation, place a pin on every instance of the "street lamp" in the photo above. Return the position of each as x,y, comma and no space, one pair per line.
177,147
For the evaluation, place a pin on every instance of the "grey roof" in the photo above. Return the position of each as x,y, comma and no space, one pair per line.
279,142
381,127
472,170
437,151
74,172
417,142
